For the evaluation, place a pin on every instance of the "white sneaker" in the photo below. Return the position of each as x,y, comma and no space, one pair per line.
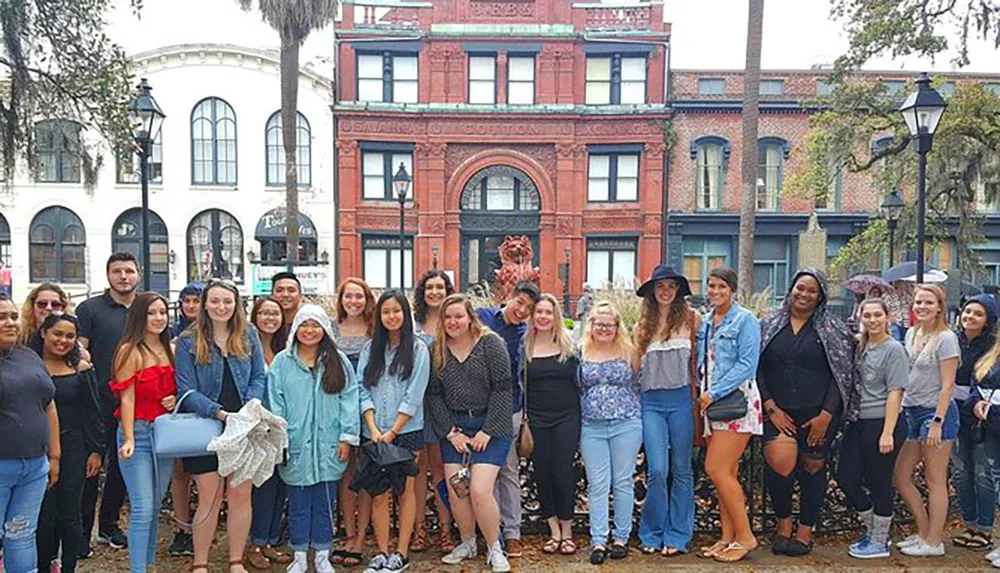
465,550
993,555
322,562
497,561
922,549
996,562
300,564
909,541
377,563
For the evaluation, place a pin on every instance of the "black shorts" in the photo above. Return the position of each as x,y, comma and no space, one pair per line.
201,465
801,416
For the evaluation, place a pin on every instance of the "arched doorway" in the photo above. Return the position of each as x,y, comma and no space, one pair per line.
215,247
127,237
497,201
271,234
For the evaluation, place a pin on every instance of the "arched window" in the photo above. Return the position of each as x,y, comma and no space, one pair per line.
213,143
710,154
276,150
57,242
57,149
500,188
215,247
4,240
770,165
126,236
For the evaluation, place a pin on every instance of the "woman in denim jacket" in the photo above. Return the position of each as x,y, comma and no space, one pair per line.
728,350
221,362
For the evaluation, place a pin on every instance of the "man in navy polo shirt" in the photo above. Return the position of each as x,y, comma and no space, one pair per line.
102,320
508,322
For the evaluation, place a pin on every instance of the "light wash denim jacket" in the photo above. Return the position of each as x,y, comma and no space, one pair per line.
317,422
737,350
392,396
249,374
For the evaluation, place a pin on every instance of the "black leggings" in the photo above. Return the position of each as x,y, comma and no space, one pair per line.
813,486
553,467
59,519
864,474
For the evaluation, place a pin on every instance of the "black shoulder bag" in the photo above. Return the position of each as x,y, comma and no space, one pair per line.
732,406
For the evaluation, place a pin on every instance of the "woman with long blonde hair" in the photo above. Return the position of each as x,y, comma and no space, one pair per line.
983,398
549,378
42,301
611,433
932,418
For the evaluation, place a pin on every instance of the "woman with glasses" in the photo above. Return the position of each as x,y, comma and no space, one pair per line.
42,301
612,428
81,438
30,448
220,360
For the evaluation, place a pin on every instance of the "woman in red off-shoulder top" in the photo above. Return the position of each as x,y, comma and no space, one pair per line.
143,378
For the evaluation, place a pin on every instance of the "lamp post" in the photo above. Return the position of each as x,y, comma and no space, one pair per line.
401,181
566,253
922,111
147,119
892,208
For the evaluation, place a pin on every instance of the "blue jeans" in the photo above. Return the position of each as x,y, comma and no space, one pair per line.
310,525
609,449
668,433
146,481
973,466
268,505
22,488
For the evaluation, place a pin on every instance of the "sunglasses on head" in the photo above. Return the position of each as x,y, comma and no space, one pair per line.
222,282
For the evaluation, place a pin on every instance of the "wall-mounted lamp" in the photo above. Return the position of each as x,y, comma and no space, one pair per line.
172,256
434,253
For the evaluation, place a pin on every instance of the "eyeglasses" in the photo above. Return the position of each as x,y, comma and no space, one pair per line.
53,304
269,314
605,326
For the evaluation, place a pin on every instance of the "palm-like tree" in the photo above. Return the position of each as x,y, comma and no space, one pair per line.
294,20
751,113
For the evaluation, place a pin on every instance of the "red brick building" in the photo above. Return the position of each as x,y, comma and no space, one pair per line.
535,117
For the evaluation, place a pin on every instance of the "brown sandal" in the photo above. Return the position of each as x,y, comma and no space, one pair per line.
734,552
418,544
710,551
551,546
567,547
236,562
447,542
276,555
255,557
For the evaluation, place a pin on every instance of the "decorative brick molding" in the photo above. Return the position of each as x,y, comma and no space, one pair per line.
502,9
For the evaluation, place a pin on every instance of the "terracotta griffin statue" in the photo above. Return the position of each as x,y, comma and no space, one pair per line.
516,257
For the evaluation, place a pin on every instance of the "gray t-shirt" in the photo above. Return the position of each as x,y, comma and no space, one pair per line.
884,368
925,367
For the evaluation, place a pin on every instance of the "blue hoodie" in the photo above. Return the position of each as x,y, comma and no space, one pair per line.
973,350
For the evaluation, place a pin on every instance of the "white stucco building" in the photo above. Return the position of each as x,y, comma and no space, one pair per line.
217,175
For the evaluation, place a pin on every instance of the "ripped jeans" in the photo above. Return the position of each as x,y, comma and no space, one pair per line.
22,488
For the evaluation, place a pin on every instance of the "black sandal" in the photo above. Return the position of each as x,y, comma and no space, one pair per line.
978,540
779,544
598,555
798,549
619,551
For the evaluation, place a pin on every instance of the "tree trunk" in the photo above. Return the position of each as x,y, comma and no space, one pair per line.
289,136
751,113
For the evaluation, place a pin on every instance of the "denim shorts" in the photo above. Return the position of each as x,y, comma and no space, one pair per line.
919,419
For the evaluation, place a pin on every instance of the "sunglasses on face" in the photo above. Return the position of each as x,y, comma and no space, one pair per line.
53,304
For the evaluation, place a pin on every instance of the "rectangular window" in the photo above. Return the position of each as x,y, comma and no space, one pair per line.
701,255
130,171
770,266
772,87
482,79
709,176
947,89
521,80
613,177
616,80
830,200
711,86
382,268
611,263
769,177
387,77
823,88
894,87
377,168
987,193
993,87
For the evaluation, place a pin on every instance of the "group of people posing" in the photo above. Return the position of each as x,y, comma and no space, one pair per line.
466,389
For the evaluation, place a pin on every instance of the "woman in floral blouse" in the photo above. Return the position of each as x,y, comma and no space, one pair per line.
612,428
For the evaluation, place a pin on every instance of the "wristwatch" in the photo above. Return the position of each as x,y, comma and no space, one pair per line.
937,420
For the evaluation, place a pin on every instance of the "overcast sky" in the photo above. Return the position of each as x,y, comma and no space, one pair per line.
705,33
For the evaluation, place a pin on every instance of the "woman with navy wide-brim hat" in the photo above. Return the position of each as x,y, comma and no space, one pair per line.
664,350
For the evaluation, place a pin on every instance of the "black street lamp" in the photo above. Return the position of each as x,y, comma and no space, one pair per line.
401,181
922,111
147,119
892,208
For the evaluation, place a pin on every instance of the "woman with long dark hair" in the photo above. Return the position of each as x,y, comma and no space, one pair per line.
807,383
870,446
728,351
268,500
81,438
30,449
664,350
433,287
313,386
143,379
352,330
393,368
220,360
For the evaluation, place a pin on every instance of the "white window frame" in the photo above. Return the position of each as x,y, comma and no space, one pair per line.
383,180
524,87
482,88
614,191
